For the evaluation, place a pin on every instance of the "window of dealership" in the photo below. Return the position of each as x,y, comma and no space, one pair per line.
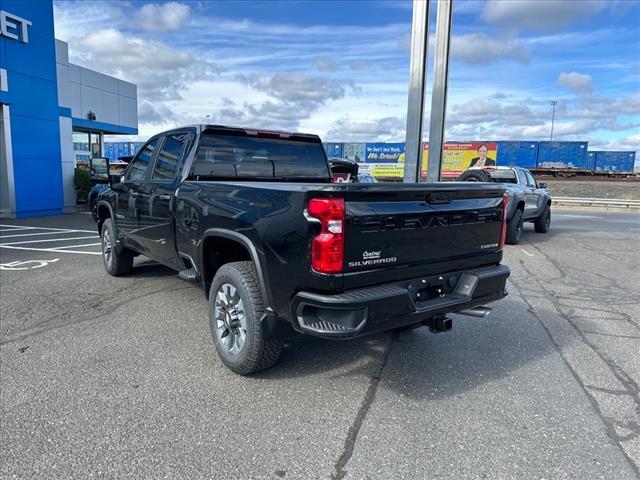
54,113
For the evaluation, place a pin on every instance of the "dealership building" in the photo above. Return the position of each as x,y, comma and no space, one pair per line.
52,113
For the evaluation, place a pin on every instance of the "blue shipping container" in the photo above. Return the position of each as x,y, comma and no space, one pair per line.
517,154
563,155
333,150
614,162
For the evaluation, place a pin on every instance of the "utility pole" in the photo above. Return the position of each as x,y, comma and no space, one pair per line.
553,104
417,78
439,94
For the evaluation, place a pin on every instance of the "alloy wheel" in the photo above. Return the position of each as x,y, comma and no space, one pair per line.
230,319
107,250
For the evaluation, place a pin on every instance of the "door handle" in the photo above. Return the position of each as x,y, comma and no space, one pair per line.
164,197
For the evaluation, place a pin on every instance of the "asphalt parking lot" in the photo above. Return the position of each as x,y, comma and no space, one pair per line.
106,377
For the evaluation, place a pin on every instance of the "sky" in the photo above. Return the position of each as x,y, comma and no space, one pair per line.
340,69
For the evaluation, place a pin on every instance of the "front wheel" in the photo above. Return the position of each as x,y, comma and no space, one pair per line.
117,260
543,222
514,228
235,316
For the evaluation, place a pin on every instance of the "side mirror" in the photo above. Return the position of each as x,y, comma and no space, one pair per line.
542,185
99,168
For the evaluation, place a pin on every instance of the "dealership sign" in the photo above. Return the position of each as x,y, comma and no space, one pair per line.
14,27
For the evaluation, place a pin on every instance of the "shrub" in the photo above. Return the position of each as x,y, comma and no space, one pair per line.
82,182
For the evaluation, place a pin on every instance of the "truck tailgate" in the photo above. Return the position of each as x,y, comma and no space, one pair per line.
412,228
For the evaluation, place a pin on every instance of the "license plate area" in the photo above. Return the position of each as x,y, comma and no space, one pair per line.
436,286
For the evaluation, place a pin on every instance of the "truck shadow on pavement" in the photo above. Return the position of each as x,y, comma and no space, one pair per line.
419,364
413,363
529,235
145,268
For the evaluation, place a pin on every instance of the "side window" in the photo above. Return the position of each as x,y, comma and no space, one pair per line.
530,180
169,156
522,180
138,168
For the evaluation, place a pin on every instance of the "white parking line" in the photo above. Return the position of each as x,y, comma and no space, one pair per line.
48,240
44,233
52,229
12,229
527,253
75,246
13,247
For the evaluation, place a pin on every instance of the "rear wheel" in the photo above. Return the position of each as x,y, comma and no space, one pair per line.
235,316
543,222
514,228
117,259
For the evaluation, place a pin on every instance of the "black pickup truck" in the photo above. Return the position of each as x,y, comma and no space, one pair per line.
278,248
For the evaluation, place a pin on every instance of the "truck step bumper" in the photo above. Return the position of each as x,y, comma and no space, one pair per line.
398,304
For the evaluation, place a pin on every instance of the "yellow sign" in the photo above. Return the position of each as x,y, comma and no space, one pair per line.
457,157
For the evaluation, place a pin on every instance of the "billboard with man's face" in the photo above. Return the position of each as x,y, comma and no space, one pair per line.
457,157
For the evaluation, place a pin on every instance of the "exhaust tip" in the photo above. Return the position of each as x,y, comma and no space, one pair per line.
478,312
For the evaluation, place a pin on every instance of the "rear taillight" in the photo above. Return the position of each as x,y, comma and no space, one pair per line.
327,248
503,227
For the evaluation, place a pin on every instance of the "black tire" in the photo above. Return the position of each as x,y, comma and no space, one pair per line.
256,352
514,228
117,259
474,176
543,222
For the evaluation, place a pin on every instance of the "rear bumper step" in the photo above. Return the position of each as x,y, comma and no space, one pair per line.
398,304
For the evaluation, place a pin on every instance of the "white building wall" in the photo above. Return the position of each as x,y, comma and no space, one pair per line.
83,90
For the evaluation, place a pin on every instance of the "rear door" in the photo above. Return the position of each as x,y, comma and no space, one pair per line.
532,196
155,200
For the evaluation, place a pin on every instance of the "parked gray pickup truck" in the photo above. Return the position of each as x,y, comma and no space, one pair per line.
529,201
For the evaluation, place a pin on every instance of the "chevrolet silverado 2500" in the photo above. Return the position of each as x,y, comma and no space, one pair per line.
278,248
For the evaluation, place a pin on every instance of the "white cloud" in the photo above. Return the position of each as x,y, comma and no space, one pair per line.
160,71
298,88
167,17
386,129
539,14
576,82
154,113
478,48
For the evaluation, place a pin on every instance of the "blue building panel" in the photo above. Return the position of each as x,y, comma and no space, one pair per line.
517,154
32,97
614,162
563,155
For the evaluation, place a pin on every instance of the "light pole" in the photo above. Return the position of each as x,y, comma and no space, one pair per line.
553,104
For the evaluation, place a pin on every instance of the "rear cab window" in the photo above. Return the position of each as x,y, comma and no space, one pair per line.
503,176
169,156
228,157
